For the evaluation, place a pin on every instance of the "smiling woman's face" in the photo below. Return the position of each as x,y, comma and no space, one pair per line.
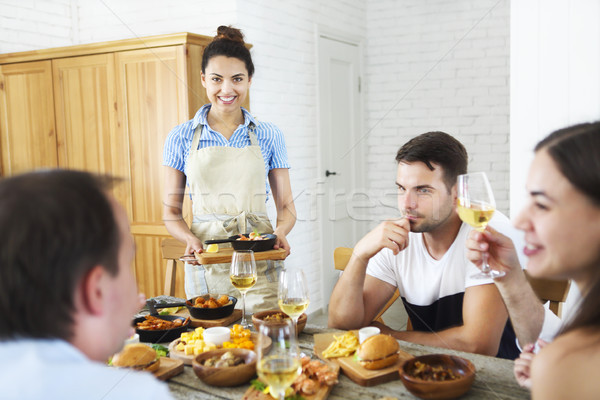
562,226
227,83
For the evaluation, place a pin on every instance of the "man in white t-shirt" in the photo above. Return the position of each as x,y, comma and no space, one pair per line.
423,254
67,290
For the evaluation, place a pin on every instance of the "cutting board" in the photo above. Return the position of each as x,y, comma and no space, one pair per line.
321,394
209,323
224,256
354,370
168,368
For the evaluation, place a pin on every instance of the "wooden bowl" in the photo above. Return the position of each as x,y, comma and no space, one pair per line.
226,376
259,318
438,389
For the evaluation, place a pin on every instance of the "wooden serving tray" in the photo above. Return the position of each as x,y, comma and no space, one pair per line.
209,323
321,394
168,368
353,369
224,256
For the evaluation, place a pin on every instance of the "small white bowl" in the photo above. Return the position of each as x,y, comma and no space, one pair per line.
217,335
367,332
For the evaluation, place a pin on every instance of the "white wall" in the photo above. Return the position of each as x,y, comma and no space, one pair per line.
438,65
555,79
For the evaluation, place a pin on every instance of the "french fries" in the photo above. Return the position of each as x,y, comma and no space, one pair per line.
342,346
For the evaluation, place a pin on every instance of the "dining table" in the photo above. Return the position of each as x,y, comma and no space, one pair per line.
493,380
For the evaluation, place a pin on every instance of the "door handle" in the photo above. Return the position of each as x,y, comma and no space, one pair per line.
327,173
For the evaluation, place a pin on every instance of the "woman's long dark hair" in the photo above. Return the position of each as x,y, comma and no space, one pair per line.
576,152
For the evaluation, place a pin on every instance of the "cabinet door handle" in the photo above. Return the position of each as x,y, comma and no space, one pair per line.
327,173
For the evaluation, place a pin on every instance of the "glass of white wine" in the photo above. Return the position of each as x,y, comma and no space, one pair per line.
476,206
293,294
278,364
243,276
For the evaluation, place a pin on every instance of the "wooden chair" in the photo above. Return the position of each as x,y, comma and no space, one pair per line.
171,250
551,291
341,256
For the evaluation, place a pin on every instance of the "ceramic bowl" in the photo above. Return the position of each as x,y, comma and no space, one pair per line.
226,376
438,389
217,335
259,318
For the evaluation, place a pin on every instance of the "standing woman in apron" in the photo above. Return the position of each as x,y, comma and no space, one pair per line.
225,156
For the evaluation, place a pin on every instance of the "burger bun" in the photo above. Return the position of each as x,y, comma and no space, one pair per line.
137,356
378,352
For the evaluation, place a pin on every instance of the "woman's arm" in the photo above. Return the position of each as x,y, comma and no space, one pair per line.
279,179
172,210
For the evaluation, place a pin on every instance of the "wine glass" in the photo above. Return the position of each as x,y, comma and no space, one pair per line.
278,356
476,207
243,276
293,294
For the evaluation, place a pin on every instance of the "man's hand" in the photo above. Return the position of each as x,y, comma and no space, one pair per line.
392,234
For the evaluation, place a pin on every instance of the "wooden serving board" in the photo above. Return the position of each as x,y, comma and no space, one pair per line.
321,394
209,323
354,370
168,368
187,359
224,256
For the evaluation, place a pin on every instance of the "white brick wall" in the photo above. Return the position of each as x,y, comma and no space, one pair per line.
464,93
438,65
34,24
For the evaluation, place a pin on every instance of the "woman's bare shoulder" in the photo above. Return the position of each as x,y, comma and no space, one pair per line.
567,367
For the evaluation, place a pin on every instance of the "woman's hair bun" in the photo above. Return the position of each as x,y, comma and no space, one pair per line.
229,33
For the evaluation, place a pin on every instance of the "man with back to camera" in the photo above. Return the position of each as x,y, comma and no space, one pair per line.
67,291
423,254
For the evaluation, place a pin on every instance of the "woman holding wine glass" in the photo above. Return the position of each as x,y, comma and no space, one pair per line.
561,221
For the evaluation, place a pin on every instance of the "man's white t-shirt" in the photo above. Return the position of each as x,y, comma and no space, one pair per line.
433,290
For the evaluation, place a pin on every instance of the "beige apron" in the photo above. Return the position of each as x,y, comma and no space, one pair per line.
228,198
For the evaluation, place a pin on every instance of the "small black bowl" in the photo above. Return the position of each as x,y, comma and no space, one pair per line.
210,313
254,245
163,335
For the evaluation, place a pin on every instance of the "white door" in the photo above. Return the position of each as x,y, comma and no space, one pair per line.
341,161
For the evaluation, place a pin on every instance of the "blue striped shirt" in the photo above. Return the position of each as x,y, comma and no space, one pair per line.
270,139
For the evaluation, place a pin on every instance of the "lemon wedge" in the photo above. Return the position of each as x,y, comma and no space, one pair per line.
169,310
212,248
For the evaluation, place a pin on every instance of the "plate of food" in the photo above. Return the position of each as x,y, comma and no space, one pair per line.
157,329
190,344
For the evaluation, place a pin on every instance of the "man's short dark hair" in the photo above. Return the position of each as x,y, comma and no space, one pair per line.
56,225
436,148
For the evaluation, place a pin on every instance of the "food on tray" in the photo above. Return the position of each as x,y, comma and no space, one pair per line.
152,323
212,248
137,356
315,375
342,346
276,317
378,352
240,338
201,302
225,360
427,372
192,343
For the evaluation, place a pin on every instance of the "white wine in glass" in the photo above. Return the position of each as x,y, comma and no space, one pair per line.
476,206
243,276
293,294
278,364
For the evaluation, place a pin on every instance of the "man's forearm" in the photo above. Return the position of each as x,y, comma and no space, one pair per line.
346,306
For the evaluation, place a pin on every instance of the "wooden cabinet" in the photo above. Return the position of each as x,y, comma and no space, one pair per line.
107,108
